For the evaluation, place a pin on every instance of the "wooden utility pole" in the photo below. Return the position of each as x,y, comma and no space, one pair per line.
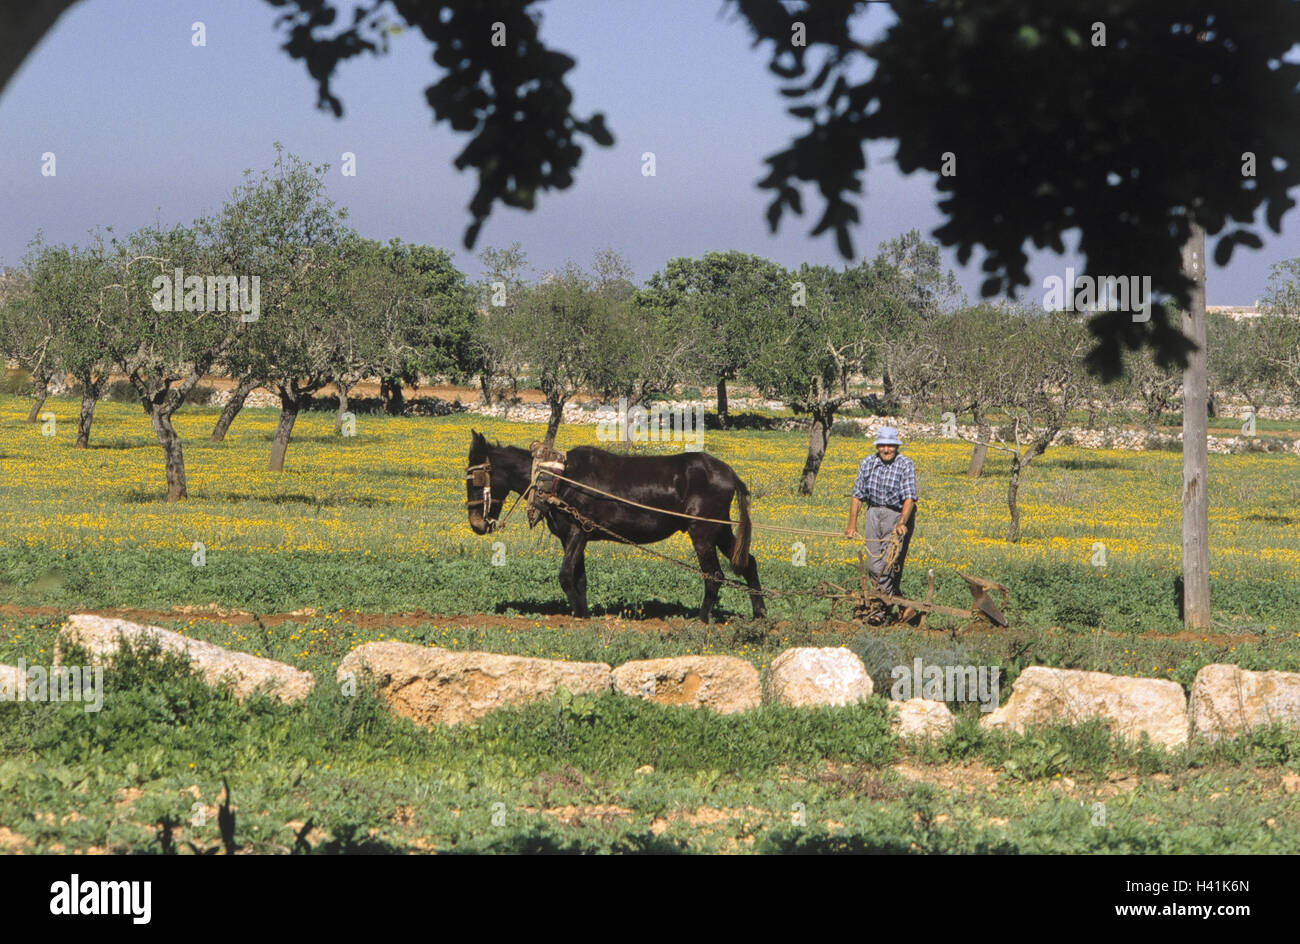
1196,499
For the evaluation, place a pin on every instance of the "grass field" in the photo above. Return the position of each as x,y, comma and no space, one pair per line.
377,523
358,531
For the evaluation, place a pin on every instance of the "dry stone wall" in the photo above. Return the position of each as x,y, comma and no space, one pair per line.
430,685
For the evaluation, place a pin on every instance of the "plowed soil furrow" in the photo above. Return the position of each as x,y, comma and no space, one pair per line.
215,613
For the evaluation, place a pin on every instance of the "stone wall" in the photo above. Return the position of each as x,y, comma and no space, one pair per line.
431,685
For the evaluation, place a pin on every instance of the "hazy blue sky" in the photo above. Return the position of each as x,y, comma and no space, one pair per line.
146,126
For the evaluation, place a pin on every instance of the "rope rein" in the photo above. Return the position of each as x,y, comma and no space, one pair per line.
756,525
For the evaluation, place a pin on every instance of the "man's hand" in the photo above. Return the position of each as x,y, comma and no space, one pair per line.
901,528
851,529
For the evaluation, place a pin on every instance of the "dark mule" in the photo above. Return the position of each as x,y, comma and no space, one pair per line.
692,483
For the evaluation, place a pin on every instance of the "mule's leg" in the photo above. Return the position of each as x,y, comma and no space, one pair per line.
575,547
580,575
726,541
706,550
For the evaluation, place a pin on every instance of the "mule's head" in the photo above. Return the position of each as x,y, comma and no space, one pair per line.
485,488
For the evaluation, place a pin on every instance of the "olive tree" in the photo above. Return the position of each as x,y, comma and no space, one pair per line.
29,330
162,347
711,299
1242,358
67,282
808,350
1039,378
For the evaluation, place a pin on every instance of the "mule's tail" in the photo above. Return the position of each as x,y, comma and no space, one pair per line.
740,552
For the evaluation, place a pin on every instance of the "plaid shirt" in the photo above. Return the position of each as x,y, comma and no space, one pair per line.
881,484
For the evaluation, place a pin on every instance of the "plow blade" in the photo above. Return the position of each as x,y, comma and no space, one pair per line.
980,599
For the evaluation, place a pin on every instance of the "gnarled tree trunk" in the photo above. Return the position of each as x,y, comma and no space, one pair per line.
1019,463
42,383
819,435
557,414
1013,489
722,402
289,407
233,406
91,387
83,421
390,389
173,456
343,388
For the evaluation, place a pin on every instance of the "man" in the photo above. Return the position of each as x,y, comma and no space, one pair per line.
887,484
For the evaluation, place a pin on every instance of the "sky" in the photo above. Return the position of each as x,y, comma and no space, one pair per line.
146,127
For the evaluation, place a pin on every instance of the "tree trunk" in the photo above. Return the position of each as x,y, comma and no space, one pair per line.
1255,406
484,388
1013,488
283,430
391,390
173,457
233,406
42,391
1154,412
819,435
722,402
553,424
1019,464
981,450
343,405
1196,499
88,401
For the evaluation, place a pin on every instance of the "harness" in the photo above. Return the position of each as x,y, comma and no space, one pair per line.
548,463
481,476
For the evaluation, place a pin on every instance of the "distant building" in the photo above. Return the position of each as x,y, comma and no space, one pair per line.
1235,312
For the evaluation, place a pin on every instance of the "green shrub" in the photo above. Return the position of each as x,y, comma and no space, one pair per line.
16,382
200,395
121,391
